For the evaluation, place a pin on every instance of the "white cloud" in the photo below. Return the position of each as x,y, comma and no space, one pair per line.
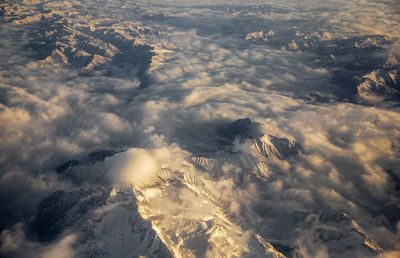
207,75
62,249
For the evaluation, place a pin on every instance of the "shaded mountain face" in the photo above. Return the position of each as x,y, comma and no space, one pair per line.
242,128
102,231
63,210
92,158
181,128
205,137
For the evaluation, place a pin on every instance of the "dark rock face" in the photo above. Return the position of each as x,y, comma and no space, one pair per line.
206,138
242,128
100,155
92,158
62,210
89,170
67,165
285,147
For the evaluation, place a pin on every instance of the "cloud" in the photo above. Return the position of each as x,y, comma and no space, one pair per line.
164,88
62,249
140,166
15,244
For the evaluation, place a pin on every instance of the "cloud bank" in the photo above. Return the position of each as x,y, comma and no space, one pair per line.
226,128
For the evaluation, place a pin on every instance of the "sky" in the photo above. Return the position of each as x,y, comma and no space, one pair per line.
241,128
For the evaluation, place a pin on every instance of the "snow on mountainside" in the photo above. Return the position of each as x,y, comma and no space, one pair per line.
187,212
110,45
379,86
106,220
158,86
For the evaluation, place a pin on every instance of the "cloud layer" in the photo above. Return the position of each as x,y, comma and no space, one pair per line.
240,128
